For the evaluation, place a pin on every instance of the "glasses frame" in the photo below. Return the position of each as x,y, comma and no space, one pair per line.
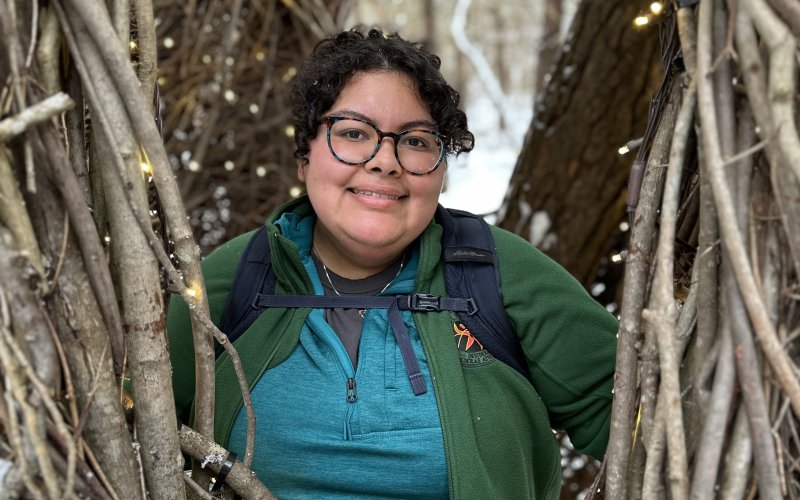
329,120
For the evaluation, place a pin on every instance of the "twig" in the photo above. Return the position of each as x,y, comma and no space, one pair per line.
63,251
782,47
36,113
14,216
240,478
737,459
712,437
790,12
34,30
745,153
148,52
197,488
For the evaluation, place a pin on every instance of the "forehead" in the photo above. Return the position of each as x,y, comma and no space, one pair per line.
384,96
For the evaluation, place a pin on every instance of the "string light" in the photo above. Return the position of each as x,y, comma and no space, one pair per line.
623,150
146,168
295,191
289,131
169,42
656,8
641,21
290,73
193,291
616,257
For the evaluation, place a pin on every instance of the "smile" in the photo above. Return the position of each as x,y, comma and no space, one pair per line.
376,195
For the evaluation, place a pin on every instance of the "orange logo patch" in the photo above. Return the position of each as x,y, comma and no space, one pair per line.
464,339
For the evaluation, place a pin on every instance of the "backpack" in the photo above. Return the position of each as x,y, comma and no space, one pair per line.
471,274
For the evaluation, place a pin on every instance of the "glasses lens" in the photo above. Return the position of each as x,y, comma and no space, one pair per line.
419,150
354,141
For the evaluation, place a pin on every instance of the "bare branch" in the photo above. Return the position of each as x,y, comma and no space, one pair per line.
37,113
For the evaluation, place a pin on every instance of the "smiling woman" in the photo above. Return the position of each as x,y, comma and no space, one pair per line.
365,382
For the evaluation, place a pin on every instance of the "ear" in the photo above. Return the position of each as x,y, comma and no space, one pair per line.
301,172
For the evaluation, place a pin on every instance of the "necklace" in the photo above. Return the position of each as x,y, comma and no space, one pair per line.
328,276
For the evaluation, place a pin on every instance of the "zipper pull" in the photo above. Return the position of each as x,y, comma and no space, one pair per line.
351,390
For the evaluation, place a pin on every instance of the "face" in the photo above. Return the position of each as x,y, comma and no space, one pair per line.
369,213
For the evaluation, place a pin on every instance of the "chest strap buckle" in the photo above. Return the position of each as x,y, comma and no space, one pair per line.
424,302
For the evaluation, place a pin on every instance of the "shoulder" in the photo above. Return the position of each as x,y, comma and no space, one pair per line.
515,254
228,253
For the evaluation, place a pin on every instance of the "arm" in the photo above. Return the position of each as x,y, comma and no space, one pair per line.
569,340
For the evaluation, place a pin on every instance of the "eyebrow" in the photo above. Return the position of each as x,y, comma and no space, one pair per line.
403,126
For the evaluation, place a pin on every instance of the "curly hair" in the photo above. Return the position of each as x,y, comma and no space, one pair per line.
335,60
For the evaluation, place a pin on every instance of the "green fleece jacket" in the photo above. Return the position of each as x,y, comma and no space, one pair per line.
497,427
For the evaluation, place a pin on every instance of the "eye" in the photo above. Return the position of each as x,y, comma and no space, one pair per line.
352,131
419,141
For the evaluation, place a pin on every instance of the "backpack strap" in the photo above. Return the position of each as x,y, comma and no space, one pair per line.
254,276
471,270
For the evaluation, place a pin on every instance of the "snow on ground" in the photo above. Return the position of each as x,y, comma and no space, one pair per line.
478,181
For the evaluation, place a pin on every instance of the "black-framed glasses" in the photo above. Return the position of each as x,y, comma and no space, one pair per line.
354,141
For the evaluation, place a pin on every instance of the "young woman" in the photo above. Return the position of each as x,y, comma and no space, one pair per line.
336,413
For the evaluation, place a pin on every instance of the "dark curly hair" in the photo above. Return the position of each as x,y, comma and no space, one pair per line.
335,60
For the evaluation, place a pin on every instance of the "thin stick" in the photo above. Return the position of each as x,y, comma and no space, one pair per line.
35,114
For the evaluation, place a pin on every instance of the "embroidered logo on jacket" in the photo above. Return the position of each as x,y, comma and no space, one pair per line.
464,339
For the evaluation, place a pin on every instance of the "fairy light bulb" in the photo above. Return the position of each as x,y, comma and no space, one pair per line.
656,8
641,21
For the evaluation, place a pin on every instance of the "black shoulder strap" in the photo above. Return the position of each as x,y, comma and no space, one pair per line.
471,270
254,276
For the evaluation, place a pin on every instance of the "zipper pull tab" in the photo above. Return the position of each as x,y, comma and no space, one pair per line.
351,390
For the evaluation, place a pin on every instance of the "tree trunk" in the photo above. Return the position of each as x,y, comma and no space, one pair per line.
568,186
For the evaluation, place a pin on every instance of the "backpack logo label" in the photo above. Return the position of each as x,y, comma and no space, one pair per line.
465,341
468,254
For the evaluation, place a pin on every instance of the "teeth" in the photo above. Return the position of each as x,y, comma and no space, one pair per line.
376,195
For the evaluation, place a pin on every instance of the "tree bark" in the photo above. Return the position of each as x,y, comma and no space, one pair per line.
598,98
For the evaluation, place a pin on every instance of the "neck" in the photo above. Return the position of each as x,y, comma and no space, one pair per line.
351,264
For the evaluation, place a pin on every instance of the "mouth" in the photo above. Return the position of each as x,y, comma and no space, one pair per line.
373,194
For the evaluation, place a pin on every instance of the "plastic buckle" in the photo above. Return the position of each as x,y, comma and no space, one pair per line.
423,302
472,307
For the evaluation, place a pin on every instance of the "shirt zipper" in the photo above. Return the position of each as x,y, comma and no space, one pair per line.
352,397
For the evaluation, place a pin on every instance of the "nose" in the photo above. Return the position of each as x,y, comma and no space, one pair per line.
385,160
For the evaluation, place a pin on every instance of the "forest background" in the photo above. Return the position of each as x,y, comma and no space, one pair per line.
650,148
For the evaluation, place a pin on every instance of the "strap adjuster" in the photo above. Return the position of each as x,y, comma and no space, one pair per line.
424,302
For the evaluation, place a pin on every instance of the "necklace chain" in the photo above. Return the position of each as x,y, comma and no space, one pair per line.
330,281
